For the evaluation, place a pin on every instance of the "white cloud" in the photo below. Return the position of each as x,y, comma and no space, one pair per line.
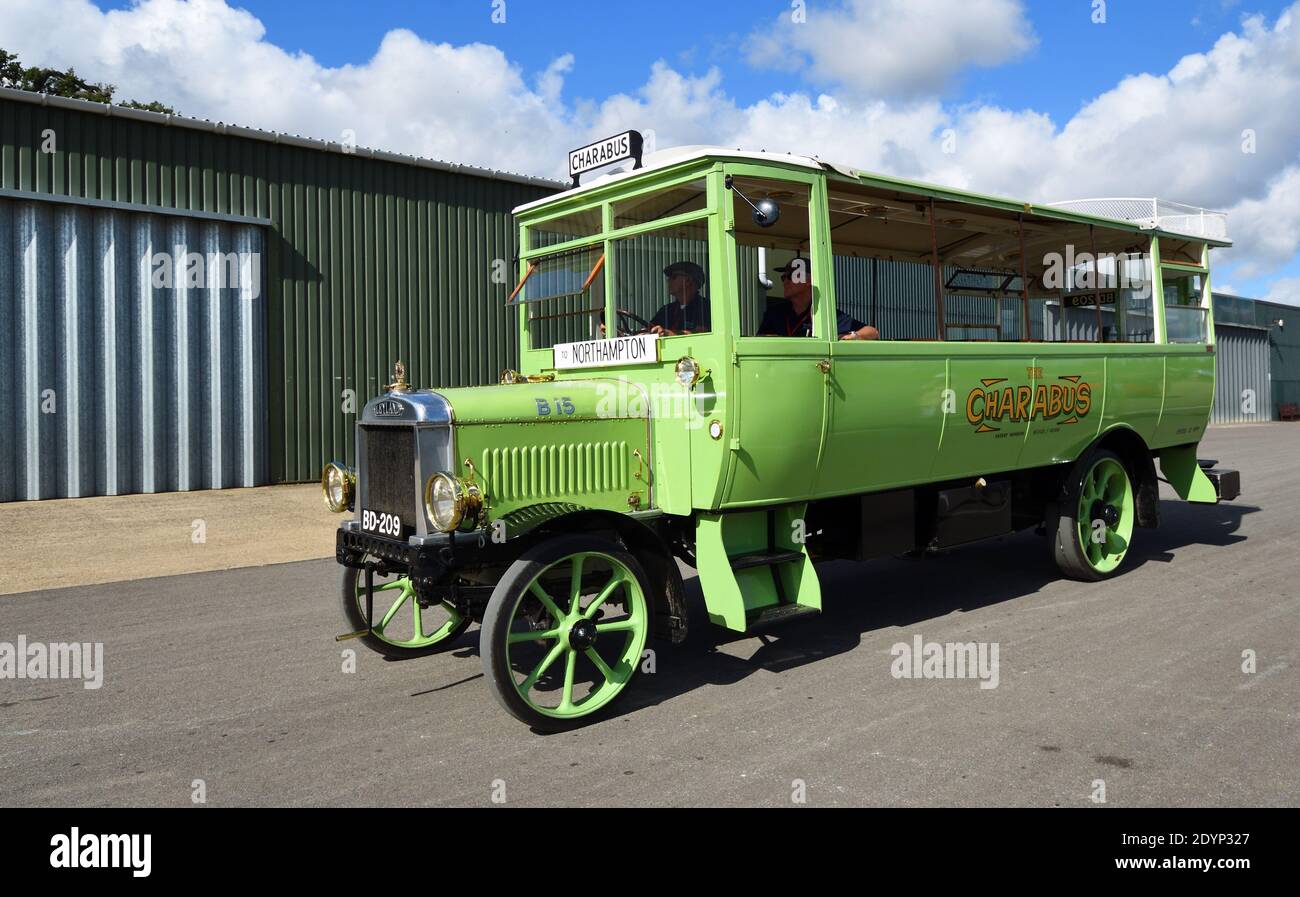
1285,290
1266,229
1178,135
889,48
463,103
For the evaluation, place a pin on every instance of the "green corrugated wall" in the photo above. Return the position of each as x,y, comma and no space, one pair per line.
1284,349
367,259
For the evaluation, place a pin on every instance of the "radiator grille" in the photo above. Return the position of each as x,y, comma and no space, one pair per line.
389,477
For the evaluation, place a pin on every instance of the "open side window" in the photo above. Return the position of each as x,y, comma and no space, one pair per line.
774,276
564,295
917,268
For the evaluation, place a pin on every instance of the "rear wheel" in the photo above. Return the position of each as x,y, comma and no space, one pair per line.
402,628
564,630
1094,521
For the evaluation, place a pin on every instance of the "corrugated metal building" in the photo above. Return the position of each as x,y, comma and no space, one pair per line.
1283,325
1242,390
336,261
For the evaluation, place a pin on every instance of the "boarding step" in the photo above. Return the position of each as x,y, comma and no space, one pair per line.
762,617
763,559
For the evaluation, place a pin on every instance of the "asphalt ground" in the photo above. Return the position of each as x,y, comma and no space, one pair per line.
1135,685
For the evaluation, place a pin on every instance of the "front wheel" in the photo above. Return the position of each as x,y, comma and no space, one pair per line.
402,627
1094,521
564,630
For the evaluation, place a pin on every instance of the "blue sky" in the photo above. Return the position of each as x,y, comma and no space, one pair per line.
1072,63
1017,80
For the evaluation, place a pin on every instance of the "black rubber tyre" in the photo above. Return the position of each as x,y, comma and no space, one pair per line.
354,611
1070,520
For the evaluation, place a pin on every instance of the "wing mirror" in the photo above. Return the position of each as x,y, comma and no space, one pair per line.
766,210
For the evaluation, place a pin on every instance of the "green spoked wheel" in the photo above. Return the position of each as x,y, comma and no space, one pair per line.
564,630
402,627
1095,520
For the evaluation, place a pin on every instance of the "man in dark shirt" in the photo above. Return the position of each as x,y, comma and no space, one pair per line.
689,311
793,317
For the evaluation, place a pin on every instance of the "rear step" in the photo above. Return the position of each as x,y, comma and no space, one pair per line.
1227,483
763,617
764,559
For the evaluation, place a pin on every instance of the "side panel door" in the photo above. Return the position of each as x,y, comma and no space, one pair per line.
993,398
886,415
1189,395
1069,404
779,382
781,414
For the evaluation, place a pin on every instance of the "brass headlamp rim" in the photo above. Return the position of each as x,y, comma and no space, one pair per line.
468,501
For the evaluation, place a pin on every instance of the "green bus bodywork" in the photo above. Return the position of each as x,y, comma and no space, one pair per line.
781,438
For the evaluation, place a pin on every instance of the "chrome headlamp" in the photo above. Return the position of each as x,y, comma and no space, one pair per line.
448,501
338,482
687,371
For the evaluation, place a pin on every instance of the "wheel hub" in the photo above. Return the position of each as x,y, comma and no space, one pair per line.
1106,513
582,635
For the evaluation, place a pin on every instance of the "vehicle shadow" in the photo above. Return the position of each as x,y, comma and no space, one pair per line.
858,598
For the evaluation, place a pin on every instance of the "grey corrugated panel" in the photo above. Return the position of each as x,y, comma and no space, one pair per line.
110,384
366,259
1242,389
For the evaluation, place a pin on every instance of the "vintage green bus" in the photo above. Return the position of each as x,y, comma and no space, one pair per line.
747,362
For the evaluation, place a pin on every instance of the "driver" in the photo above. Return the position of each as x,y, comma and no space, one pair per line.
689,311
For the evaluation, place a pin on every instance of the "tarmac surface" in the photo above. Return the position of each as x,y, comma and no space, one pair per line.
1135,685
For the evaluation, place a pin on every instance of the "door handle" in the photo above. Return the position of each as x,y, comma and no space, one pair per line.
824,365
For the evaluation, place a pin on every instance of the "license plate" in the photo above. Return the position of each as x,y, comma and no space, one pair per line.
381,523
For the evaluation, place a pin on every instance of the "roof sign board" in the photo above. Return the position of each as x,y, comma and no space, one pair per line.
618,148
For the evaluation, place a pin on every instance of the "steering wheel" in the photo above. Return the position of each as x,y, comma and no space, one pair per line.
626,318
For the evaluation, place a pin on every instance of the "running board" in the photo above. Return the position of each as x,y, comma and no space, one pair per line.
777,613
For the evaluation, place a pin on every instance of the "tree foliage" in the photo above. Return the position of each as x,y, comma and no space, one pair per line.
57,83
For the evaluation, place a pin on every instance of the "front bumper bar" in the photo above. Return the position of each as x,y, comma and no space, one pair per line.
427,562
